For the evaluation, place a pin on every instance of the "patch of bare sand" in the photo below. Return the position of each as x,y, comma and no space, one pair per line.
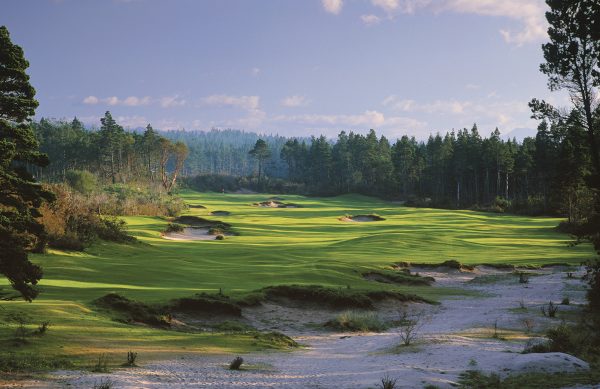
455,336
190,233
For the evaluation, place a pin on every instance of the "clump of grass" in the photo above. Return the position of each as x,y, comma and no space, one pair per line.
101,365
104,384
131,357
11,362
220,237
357,321
523,278
388,383
549,310
236,364
566,301
275,340
43,327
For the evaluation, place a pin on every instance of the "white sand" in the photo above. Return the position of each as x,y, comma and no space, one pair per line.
456,336
190,233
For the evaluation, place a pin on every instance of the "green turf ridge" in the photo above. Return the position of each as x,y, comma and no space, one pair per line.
275,246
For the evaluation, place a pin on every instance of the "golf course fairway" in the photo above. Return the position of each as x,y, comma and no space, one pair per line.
272,246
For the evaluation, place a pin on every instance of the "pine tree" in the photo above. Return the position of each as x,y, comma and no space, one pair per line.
20,194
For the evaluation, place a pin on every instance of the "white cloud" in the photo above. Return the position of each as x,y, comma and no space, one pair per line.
294,101
370,20
387,5
245,102
529,13
133,101
171,101
333,6
472,86
91,100
113,100
368,119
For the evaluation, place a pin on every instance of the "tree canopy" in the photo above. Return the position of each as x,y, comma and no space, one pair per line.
20,194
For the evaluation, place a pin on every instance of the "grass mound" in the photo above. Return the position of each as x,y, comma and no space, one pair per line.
334,298
450,263
131,311
173,227
397,277
196,221
275,340
206,303
220,213
274,203
357,321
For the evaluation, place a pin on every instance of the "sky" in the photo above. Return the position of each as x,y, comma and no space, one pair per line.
288,67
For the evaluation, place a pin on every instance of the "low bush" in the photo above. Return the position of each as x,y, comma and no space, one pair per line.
101,365
388,383
236,364
549,310
131,357
357,321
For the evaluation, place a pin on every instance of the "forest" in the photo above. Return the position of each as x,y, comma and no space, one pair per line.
460,169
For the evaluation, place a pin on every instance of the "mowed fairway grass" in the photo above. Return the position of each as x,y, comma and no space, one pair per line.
306,245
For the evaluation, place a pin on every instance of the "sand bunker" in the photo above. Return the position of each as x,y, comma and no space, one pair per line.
190,233
362,218
276,204
220,213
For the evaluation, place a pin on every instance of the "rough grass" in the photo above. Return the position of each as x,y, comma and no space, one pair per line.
286,246
397,277
357,321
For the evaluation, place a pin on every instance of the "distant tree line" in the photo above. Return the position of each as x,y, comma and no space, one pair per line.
543,175
461,169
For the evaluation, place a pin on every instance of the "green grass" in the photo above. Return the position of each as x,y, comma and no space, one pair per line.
275,246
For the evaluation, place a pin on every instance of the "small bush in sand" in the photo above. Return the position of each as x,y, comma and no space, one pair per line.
409,325
522,304
388,383
549,310
566,301
104,384
219,237
101,365
236,363
357,321
570,274
131,357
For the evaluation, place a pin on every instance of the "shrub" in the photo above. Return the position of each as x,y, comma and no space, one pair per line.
388,383
565,301
592,277
409,326
219,237
81,180
236,363
357,321
549,310
523,278
131,357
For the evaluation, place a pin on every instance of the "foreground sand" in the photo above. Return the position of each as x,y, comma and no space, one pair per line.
455,336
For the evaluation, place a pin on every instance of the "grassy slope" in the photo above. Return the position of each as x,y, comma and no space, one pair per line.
275,246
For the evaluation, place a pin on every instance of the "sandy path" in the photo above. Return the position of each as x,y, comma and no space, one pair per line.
448,345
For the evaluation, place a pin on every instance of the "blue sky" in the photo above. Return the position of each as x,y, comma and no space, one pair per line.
293,67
